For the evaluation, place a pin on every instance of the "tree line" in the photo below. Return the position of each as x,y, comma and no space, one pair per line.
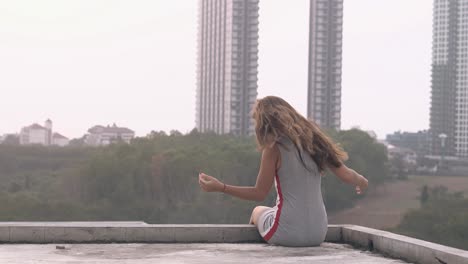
155,178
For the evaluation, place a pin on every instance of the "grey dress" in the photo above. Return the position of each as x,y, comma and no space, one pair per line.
299,217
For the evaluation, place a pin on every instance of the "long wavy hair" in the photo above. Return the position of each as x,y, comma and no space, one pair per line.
275,118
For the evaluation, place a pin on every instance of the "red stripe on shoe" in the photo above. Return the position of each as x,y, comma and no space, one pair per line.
278,212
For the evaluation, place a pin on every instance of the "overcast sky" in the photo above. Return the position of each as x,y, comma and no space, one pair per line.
88,62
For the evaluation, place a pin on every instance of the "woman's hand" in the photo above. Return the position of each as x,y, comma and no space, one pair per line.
362,184
210,183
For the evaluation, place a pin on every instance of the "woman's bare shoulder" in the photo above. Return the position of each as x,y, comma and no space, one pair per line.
272,154
272,149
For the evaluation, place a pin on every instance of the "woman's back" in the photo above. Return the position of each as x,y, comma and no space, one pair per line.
301,219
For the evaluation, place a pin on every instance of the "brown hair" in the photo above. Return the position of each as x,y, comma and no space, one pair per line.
275,118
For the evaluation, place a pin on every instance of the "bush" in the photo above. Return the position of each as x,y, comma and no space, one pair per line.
442,218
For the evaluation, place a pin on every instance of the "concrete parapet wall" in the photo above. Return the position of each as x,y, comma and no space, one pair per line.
124,232
402,247
132,232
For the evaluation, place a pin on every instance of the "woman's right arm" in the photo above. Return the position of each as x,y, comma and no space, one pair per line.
350,176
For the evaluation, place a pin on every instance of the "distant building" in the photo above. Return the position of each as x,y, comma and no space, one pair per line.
59,140
227,66
402,161
42,135
325,56
407,155
36,134
419,142
105,135
449,83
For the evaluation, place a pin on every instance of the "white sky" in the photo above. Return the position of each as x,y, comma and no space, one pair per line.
88,62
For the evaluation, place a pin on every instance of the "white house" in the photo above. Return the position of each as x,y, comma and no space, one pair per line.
37,134
59,140
104,135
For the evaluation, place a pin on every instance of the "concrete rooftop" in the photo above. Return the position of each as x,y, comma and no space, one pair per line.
139,242
185,253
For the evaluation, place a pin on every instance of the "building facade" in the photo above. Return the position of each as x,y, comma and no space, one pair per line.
59,140
227,66
105,135
325,56
35,134
42,135
449,84
419,142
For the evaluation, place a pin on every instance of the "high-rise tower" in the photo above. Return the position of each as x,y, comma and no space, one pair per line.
325,49
449,89
227,66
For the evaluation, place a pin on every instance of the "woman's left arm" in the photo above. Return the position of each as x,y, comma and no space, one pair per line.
270,157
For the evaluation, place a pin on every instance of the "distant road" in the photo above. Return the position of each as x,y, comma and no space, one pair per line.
385,206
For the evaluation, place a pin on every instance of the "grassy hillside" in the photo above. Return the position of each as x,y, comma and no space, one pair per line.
385,205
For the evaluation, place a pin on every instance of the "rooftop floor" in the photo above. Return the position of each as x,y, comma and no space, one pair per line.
185,253
139,242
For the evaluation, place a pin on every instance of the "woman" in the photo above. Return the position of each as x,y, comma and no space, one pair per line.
295,154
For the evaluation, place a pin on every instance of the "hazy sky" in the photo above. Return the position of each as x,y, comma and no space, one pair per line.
87,62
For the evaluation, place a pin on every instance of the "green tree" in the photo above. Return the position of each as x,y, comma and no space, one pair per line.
11,140
424,195
78,142
366,156
442,219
